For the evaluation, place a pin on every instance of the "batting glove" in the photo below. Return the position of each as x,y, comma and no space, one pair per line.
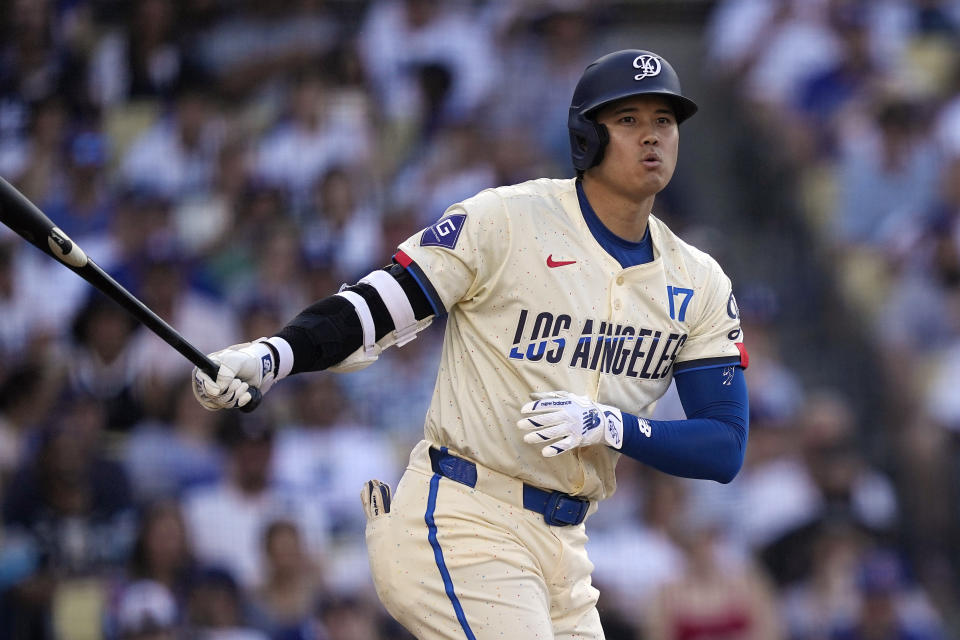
577,421
376,498
251,364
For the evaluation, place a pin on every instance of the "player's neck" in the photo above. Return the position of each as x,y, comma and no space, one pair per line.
625,217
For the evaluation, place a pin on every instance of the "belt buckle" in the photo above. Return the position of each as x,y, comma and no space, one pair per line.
563,510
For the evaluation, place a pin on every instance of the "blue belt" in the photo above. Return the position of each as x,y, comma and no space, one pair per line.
558,509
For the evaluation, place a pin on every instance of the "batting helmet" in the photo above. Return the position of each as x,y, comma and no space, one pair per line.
620,74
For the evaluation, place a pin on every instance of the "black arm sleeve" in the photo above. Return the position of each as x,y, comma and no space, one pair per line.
329,330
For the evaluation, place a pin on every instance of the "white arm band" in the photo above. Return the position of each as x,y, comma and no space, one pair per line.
366,321
284,355
397,303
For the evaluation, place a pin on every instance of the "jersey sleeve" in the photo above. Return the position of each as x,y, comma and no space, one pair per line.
716,340
458,256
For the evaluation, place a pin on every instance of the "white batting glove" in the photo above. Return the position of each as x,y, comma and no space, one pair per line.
375,497
577,421
250,364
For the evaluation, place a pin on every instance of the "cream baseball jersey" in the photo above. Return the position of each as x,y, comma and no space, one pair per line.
534,303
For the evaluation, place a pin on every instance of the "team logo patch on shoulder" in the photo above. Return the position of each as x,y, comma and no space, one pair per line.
444,233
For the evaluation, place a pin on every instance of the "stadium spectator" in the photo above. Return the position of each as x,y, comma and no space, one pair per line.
947,126
83,204
312,455
353,617
171,453
886,178
249,46
341,227
163,283
917,320
217,607
141,226
100,359
826,98
176,156
278,262
457,163
33,67
844,486
162,552
889,606
145,611
74,508
22,409
14,331
204,222
292,583
543,47
226,521
827,597
310,139
771,47
43,173
141,58
717,594
405,387
634,556
398,38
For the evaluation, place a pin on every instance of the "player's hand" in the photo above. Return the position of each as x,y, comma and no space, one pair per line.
567,421
251,364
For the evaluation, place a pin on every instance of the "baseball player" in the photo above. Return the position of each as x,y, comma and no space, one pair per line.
569,309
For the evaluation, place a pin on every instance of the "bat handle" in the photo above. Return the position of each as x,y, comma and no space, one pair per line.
209,367
255,398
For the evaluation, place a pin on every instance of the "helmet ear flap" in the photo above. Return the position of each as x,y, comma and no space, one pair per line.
587,140
603,136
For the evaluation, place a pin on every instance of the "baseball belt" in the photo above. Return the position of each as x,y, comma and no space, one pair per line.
558,509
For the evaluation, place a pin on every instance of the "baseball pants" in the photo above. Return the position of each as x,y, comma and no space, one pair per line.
453,562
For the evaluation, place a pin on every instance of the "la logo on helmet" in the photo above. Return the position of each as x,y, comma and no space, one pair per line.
649,66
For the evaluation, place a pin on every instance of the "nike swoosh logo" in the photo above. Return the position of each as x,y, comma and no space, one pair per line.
553,263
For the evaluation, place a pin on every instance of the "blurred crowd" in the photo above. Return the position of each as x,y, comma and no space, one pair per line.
231,161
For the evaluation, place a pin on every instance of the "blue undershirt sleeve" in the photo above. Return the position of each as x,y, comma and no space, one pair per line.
710,444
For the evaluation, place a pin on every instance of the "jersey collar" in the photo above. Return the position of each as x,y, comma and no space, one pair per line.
627,253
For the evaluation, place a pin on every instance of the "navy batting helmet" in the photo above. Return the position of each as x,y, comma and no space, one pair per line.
620,74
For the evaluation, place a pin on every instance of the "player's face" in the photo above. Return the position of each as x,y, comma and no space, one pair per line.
641,155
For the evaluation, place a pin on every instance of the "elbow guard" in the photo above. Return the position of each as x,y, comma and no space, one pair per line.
406,325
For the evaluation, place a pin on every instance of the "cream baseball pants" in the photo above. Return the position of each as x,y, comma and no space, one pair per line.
453,562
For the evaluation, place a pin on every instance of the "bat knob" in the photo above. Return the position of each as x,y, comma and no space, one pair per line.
255,398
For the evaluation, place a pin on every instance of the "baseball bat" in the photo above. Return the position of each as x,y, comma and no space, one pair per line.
21,215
